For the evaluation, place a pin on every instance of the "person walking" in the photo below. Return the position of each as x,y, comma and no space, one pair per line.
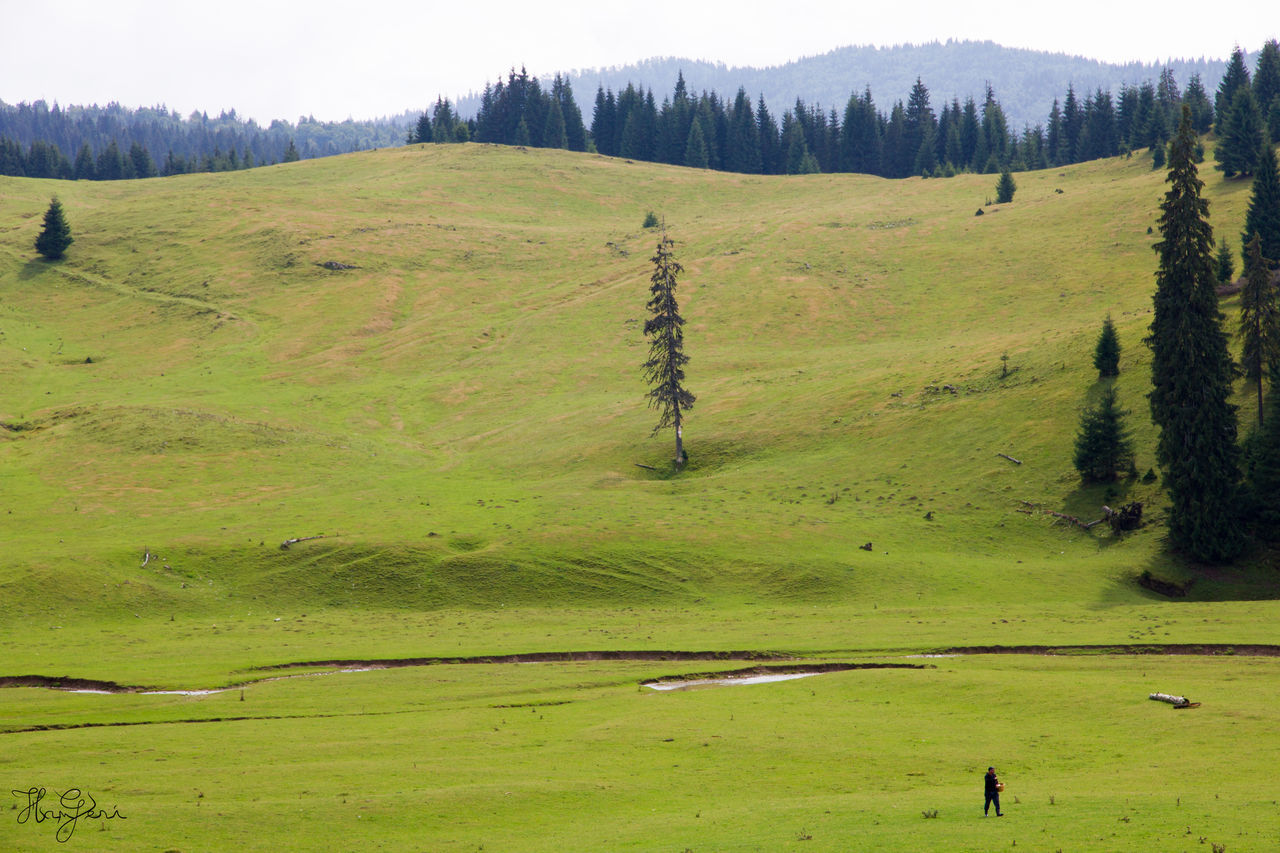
992,788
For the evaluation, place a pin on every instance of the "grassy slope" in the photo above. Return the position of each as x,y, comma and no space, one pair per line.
476,378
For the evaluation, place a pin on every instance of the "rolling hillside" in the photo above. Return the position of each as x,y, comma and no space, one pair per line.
461,415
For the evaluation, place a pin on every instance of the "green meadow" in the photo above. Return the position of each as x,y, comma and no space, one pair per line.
453,423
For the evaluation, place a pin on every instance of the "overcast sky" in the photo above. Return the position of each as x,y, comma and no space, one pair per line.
369,58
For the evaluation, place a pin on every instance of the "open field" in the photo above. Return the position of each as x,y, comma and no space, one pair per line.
460,416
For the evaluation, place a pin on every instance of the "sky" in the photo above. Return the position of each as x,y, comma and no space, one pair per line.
369,58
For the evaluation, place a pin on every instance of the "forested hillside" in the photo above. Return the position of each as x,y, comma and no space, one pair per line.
108,143
1026,80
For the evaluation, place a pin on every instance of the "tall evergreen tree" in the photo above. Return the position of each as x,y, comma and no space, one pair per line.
742,149
918,121
1243,139
291,153
970,133
1102,445
422,131
575,132
84,168
664,370
55,237
1106,355
1234,79
771,154
995,129
1266,77
604,123
1072,125
1263,216
143,165
1053,139
554,135
110,165
695,148
1191,370
860,136
1259,319
1197,99
1264,472
444,122
800,160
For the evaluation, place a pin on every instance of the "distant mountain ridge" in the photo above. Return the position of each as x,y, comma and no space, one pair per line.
1025,81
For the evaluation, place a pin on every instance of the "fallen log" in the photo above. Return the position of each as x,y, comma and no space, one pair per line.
1085,525
284,546
648,467
1175,701
1010,458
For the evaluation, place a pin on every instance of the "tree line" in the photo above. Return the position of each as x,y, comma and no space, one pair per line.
710,131
114,143
704,130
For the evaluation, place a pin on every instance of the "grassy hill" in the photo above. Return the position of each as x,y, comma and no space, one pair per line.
460,415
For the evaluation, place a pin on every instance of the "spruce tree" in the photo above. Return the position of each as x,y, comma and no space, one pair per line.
1234,79
554,135
1264,474
1191,370
291,153
1266,75
1224,264
1259,319
422,133
1201,110
1106,355
665,328
1243,139
522,134
1263,216
1005,187
55,237
84,168
1102,446
695,148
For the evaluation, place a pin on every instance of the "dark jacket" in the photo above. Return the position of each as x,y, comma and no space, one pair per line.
991,780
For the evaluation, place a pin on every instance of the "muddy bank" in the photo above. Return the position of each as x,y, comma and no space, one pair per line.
535,657
1205,649
84,685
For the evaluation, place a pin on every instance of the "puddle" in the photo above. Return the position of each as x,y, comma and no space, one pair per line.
744,679
765,674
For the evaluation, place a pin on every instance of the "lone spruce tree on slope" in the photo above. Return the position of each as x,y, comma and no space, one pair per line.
1191,371
1106,355
56,235
665,368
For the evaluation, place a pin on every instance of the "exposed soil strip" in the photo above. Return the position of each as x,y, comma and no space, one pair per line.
1205,649
62,727
85,685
